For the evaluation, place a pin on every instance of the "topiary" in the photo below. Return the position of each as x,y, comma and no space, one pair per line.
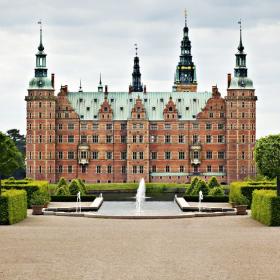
82,186
200,186
63,190
217,191
62,182
192,186
213,182
75,187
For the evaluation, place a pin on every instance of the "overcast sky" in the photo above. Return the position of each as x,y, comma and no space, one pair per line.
86,37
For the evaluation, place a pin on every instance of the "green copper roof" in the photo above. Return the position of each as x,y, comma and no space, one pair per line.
188,104
241,83
40,83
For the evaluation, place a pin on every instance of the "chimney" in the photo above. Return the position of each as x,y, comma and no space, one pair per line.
145,89
106,89
215,91
63,90
52,80
228,80
130,89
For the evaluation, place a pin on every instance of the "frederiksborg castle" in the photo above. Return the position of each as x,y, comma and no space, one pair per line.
103,136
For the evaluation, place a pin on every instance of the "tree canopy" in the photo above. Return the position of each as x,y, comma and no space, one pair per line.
10,157
267,156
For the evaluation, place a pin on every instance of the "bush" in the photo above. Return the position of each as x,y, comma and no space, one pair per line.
213,182
216,191
208,198
82,185
63,190
266,207
239,191
72,198
29,186
192,186
75,187
62,182
200,186
38,198
13,207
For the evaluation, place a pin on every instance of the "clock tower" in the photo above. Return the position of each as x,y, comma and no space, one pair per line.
185,75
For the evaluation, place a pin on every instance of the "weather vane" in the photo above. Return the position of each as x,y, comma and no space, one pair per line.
136,48
239,22
185,13
40,22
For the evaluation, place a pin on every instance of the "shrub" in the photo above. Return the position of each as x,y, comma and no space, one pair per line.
239,191
82,185
29,186
38,198
213,182
63,190
62,182
13,207
74,188
192,186
216,191
200,186
266,207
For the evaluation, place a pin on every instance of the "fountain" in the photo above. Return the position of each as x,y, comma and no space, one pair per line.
78,203
140,195
200,197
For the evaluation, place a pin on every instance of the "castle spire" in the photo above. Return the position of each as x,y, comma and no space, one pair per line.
240,47
100,86
80,87
185,78
41,47
136,75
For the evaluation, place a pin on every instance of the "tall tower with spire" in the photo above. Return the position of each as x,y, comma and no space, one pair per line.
41,134
241,119
185,75
136,75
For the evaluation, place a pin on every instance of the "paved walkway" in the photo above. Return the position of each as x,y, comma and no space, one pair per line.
49,247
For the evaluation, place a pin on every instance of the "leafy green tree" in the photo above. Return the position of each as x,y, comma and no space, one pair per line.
190,189
213,182
74,187
10,157
267,156
62,182
200,186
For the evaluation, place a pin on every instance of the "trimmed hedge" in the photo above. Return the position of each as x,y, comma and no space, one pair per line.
29,186
72,198
266,207
13,207
208,198
244,190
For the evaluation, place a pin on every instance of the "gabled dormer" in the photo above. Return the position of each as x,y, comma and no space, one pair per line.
138,111
105,112
170,112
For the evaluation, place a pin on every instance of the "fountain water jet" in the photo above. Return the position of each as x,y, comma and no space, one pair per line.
140,195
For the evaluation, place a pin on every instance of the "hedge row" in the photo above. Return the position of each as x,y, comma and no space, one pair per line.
208,198
266,207
13,207
72,198
28,185
243,191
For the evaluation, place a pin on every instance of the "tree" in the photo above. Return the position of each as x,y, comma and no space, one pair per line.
213,182
267,156
10,157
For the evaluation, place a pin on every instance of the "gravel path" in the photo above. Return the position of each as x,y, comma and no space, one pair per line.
49,247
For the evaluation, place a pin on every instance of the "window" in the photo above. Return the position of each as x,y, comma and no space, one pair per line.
211,115
243,138
83,139
140,138
94,155
209,168
167,155
98,169
222,115
243,115
60,169
242,155
123,126
108,126
209,154
153,155
94,138
141,126
83,126
109,138
153,126
60,126
50,139
195,139
70,155
196,155
181,126
221,126
153,138
134,138
195,126
208,138
123,139
59,139
243,126
83,154
40,139
141,155
109,155
221,154
167,126
182,168
208,126
109,169
40,115
70,126
221,139
95,126
221,168
134,125
70,138
167,168
154,168
181,155
70,168
167,139
134,169
123,155
243,104
84,168
141,169
123,169
181,139
134,155
40,155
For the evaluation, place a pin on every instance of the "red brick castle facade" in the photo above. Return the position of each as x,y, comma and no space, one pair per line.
108,136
